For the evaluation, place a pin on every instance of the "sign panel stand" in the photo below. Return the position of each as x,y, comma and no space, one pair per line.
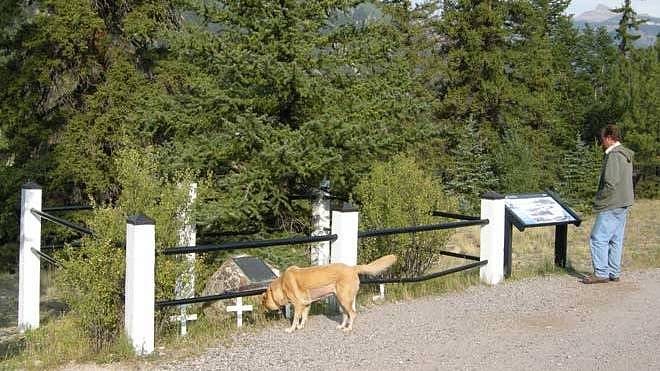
538,210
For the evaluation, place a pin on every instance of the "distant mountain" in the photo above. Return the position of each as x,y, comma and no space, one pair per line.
603,17
600,14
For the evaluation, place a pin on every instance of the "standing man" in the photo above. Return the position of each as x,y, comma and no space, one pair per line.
614,197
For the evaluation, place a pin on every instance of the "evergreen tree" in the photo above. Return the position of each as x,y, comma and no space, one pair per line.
628,22
505,67
595,61
473,173
580,172
473,82
518,163
266,97
641,98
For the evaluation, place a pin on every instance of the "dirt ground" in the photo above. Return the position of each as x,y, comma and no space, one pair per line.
548,323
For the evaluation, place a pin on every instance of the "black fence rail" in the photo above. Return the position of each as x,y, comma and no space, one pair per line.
45,257
467,221
459,255
248,244
425,277
201,299
67,208
455,216
65,223
420,228
236,294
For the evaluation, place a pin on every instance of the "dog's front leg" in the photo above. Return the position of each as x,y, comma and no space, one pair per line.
297,313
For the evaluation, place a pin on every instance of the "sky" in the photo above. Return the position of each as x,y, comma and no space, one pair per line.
651,7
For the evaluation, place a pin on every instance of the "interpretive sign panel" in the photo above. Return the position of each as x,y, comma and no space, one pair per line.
538,210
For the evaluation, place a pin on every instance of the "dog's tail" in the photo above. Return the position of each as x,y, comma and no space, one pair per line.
377,265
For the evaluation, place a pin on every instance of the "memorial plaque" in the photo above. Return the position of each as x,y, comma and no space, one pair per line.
257,272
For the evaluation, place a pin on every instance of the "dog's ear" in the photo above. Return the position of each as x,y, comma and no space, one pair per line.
267,300
277,295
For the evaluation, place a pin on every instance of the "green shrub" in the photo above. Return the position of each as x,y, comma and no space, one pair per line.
91,281
648,184
399,194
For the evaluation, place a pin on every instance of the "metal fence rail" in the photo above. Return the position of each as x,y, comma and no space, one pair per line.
455,216
63,222
419,228
468,221
201,299
236,294
459,255
67,208
425,277
248,244
45,257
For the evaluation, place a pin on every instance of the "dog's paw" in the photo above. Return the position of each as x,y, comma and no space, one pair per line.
289,330
340,327
347,329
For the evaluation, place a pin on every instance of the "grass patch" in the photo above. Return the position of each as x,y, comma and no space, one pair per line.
59,342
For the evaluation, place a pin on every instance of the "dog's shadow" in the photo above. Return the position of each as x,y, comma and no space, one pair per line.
327,307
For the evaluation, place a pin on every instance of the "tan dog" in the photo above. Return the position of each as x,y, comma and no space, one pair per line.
302,286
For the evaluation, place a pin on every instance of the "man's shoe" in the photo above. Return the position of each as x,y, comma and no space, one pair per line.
614,279
594,279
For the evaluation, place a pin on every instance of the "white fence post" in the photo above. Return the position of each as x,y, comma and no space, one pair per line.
140,283
344,248
492,238
28,262
345,226
320,253
185,283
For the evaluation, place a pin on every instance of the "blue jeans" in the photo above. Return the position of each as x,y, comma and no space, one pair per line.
606,242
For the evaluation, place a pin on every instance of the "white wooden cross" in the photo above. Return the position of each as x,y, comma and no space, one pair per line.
183,319
239,308
381,295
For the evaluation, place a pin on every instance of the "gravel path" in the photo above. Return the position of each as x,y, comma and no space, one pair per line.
548,323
